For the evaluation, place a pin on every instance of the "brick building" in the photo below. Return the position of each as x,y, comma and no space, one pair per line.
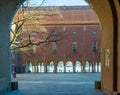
79,51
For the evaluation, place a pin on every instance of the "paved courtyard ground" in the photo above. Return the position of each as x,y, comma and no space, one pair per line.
57,84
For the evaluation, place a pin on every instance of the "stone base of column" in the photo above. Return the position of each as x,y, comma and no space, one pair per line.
109,92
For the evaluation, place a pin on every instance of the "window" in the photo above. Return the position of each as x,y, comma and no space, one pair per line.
54,33
94,32
54,47
74,33
94,46
74,46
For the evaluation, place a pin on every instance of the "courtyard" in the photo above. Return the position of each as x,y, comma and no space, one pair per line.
57,84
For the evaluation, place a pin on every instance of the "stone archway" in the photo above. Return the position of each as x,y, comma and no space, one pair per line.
78,66
52,64
110,42
69,66
109,22
60,66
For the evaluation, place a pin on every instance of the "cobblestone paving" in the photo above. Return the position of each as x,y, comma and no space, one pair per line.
57,84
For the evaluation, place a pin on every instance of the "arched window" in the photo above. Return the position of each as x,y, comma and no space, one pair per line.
74,46
94,46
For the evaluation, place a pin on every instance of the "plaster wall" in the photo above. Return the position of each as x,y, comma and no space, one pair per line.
7,10
105,15
118,15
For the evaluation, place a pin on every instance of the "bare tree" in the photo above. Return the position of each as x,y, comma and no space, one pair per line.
27,31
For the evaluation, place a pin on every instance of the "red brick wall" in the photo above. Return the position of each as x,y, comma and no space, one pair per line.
84,38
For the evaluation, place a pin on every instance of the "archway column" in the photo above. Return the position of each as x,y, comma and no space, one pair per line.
117,3
98,67
83,66
7,10
40,67
48,68
110,83
55,68
45,68
64,68
93,67
74,68
37,67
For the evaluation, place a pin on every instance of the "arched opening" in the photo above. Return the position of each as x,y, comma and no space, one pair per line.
51,66
99,66
69,66
87,66
106,29
91,67
26,68
39,67
78,66
60,66
43,67
30,67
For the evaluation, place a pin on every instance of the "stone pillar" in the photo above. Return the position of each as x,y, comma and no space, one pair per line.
98,67
7,10
48,68
33,68
92,68
64,68
55,68
37,68
89,67
74,68
81,68
40,68
45,68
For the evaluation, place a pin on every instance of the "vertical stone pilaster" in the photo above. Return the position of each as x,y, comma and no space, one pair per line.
40,68
55,68
48,68
97,70
74,68
6,13
37,68
92,67
45,68
81,68
64,68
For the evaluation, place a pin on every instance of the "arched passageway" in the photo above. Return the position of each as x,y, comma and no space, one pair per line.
69,66
30,67
87,66
52,66
42,67
60,66
110,45
78,66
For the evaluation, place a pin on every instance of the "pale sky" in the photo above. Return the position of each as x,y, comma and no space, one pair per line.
59,3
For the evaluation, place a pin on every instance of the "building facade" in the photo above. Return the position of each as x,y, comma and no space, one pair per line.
78,49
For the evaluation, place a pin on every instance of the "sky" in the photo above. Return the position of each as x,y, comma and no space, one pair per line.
58,3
